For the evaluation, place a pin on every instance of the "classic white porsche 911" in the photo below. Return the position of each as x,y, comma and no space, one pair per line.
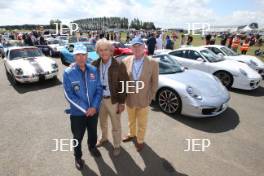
28,64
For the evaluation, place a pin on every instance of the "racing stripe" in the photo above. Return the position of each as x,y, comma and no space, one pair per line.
72,102
36,65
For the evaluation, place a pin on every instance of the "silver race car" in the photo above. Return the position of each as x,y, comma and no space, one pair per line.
188,92
28,64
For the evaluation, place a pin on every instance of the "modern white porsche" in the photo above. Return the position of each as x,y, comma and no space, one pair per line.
28,64
227,53
231,73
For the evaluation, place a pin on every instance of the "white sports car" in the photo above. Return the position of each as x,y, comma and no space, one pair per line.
28,64
227,53
188,92
231,73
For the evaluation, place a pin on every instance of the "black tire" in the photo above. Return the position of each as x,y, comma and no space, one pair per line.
225,77
169,101
7,73
51,53
13,79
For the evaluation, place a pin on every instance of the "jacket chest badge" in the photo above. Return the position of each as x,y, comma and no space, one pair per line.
76,87
92,76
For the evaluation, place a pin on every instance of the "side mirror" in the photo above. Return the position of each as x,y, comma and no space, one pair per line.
220,55
200,59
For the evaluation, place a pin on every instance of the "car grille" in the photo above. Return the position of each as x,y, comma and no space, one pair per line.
209,111
254,84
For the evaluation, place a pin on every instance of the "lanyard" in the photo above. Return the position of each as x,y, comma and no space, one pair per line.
104,68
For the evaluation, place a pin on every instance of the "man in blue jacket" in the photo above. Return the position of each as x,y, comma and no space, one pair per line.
83,90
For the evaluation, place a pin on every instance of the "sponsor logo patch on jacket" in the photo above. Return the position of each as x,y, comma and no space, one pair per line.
92,76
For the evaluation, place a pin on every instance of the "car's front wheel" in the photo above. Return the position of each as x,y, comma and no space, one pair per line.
225,77
13,79
169,101
51,53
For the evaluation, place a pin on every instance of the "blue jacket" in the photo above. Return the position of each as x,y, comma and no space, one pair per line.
82,89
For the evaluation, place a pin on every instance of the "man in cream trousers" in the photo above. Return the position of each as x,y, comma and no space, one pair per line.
140,68
112,74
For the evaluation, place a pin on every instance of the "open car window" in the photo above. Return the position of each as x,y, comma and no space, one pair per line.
228,51
193,55
215,50
211,56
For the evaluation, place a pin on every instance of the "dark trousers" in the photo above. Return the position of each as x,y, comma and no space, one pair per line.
78,127
151,50
244,52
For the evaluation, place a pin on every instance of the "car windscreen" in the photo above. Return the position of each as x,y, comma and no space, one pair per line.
83,39
168,65
53,42
24,53
210,56
228,51
90,47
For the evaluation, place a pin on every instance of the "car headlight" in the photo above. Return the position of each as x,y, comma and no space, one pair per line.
19,71
55,49
54,66
243,72
191,92
253,63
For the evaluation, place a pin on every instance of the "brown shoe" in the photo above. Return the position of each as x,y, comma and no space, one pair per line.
100,143
128,138
139,146
79,163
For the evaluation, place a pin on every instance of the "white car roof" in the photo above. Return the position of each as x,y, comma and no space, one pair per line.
20,47
195,48
216,46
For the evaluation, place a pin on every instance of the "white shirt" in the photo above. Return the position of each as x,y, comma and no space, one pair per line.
104,77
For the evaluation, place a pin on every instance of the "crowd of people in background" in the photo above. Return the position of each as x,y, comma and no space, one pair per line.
154,39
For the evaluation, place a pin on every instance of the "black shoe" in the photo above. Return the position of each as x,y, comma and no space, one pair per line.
95,152
79,164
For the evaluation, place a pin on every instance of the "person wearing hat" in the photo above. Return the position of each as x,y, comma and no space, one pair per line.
83,90
140,68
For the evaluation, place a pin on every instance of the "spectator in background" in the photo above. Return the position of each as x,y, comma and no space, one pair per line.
174,37
207,39
212,40
189,40
235,43
223,39
159,44
151,43
183,40
245,46
230,40
169,43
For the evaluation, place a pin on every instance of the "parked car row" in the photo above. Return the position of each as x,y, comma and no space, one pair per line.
193,81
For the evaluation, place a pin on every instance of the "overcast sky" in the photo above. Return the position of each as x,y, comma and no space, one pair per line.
164,13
